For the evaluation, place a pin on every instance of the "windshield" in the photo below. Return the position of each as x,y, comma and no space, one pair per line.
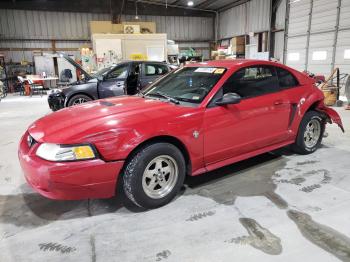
102,71
189,84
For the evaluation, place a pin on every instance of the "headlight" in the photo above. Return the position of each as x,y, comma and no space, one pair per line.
53,152
56,90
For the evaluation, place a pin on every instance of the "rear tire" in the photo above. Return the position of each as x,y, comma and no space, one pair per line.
154,175
310,133
79,99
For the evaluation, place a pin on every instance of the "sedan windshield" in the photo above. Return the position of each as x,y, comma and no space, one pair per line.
189,84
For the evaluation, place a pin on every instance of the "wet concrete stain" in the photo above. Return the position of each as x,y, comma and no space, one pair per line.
309,189
323,236
276,199
56,247
163,255
323,172
259,237
33,210
308,162
93,248
294,181
200,216
251,177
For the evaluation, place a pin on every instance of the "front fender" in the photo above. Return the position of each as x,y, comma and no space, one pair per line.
332,115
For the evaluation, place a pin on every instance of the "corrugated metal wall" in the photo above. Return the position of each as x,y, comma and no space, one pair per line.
297,30
64,26
253,16
281,15
279,27
315,42
343,40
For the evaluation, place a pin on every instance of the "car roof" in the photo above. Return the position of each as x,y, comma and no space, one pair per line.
142,61
230,63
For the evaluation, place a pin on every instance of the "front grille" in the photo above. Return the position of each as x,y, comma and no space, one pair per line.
30,141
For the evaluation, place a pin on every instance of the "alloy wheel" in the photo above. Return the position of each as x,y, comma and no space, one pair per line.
312,133
160,177
79,101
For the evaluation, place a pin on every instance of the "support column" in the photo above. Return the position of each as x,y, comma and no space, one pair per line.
308,36
286,25
336,36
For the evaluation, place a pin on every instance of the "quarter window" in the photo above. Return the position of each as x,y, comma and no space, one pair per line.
252,81
155,69
285,79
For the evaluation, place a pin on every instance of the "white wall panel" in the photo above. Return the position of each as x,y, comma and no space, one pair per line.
298,17
279,45
343,44
345,14
250,17
281,15
297,45
63,25
321,43
258,15
232,22
25,24
324,13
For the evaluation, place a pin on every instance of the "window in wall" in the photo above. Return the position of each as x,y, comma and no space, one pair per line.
319,55
347,54
293,56
252,81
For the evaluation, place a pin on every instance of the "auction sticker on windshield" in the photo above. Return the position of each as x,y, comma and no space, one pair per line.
208,70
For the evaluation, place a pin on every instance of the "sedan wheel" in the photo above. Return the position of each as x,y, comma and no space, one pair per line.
160,176
310,133
79,101
154,175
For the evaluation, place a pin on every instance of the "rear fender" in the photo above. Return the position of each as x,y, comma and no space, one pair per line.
331,114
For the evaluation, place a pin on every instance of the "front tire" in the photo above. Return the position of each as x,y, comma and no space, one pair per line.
310,133
154,175
78,99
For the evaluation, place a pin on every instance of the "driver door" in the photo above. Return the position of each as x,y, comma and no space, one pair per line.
259,120
114,82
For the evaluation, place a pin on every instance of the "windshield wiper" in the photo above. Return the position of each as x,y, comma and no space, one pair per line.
169,98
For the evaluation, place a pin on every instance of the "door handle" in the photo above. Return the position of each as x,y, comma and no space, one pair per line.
120,83
278,102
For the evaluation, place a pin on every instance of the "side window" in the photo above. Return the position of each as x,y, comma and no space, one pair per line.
120,72
285,78
252,81
155,69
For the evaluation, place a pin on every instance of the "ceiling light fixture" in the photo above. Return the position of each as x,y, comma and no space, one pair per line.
190,3
136,16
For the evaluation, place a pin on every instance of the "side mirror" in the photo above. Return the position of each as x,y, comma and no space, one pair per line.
229,99
100,78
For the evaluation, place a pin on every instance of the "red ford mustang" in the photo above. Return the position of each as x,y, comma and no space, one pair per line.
196,119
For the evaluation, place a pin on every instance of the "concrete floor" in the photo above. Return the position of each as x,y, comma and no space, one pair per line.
274,207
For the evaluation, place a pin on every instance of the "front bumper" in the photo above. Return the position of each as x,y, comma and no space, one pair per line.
56,100
68,180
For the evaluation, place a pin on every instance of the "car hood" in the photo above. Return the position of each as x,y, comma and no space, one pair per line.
81,124
76,65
